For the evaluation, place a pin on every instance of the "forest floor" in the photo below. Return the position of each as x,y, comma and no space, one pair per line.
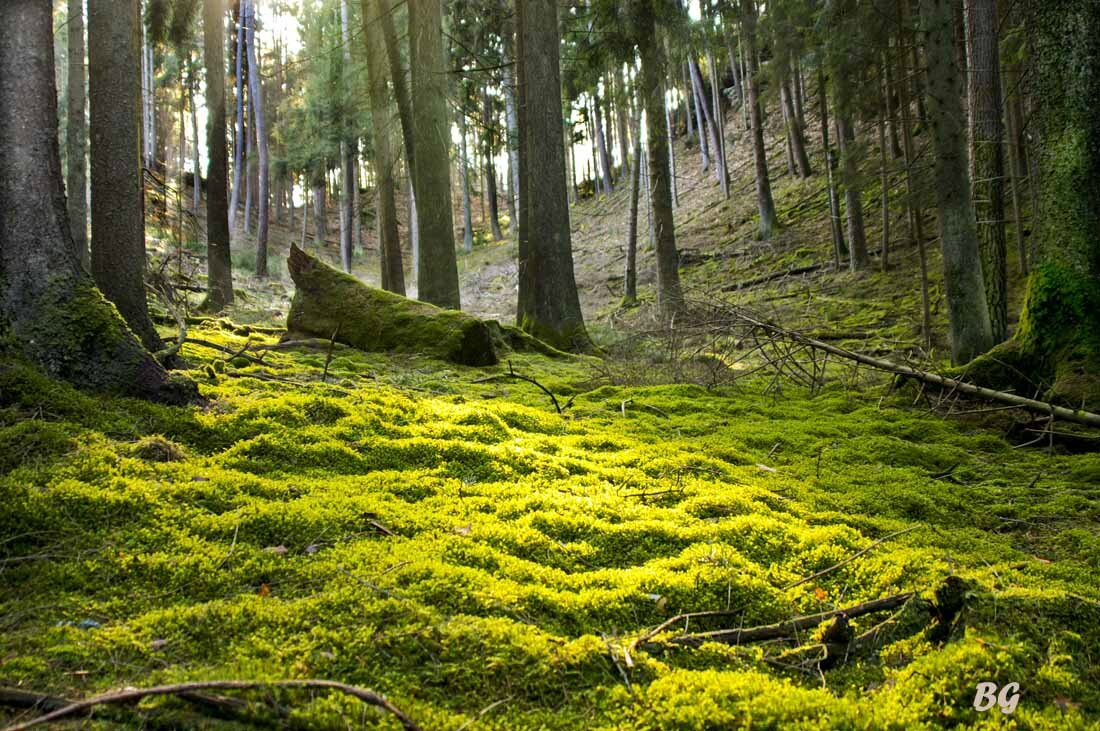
441,534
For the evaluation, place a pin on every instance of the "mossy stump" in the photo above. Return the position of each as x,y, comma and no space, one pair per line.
328,301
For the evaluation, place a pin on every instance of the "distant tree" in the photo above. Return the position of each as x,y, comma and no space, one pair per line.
256,102
219,265
769,222
48,304
548,304
118,222
438,269
967,309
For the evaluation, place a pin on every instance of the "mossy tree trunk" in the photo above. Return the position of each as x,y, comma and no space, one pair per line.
118,205
548,305
219,265
50,309
1056,347
967,309
438,270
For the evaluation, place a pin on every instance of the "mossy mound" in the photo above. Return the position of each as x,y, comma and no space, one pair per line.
330,304
452,542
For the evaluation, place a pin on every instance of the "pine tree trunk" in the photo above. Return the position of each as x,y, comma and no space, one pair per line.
464,171
76,136
968,311
219,278
490,145
118,223
621,112
795,131
438,283
705,148
548,303
987,136
840,248
853,195
769,223
238,137
196,157
320,226
719,128
255,95
630,279
347,160
392,267
670,298
601,144
513,147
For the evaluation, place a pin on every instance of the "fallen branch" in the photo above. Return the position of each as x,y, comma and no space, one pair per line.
790,627
130,695
519,377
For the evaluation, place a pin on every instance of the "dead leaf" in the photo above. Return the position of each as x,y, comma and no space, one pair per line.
820,594
265,590
279,549
464,530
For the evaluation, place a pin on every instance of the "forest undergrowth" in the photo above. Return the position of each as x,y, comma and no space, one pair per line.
441,535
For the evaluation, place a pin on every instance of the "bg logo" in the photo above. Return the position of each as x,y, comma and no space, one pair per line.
987,695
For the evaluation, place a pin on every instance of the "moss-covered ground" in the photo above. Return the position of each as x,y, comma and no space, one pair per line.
449,540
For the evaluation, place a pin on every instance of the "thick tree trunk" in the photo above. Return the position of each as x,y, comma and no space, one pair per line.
548,304
769,222
333,305
118,222
438,271
670,298
48,304
219,277
392,267
256,99
968,311
76,136
987,138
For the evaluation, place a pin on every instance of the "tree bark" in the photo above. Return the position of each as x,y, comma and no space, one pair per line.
47,302
601,143
490,145
548,304
968,311
347,158
769,222
840,248
238,137
630,279
219,272
118,222
795,132
392,267
464,170
670,298
438,271
76,135
255,95
987,136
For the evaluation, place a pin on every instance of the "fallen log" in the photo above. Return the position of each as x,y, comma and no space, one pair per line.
328,301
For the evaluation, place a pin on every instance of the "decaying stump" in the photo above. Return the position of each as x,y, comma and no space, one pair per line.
328,301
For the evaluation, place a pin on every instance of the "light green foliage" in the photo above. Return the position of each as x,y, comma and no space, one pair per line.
452,542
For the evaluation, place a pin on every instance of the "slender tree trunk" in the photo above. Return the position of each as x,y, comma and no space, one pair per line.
718,128
671,155
464,170
630,279
840,248
670,298
700,120
795,132
548,304
601,144
769,222
987,135
219,272
320,226
148,103
968,311
49,307
490,146
392,266
305,216
196,157
238,137
890,88
438,282
512,124
118,223
255,95
405,114
347,159
76,135
884,184
621,111
853,194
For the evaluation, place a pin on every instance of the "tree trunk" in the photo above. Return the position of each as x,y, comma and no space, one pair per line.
48,304
630,279
464,171
320,225
196,157
601,143
148,102
968,311
700,117
438,281
255,95
670,298
671,155
719,128
621,98
347,159
490,144
238,137
840,248
987,136
513,146
76,136
853,197
769,223
392,267
219,277
795,132
118,222
548,304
